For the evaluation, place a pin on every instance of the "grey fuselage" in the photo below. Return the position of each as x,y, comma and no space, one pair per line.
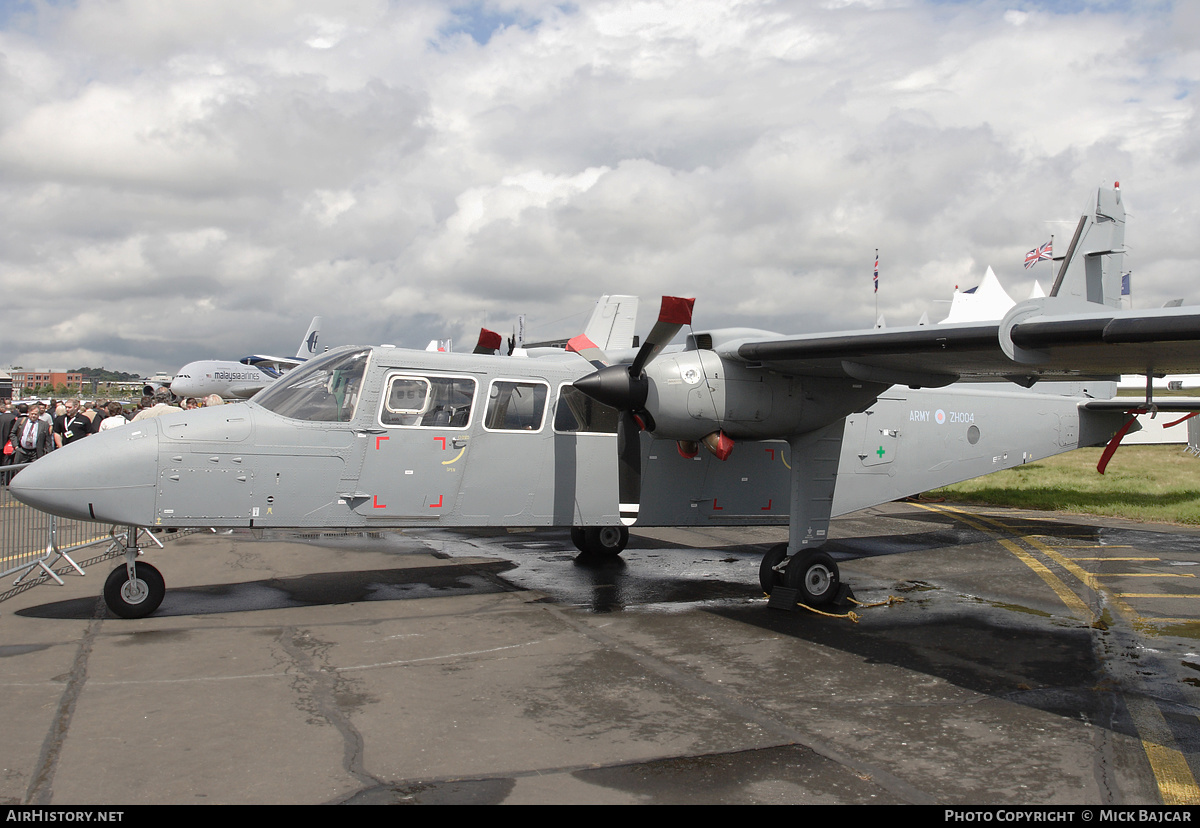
401,438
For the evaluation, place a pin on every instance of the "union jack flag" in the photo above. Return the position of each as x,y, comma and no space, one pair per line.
877,271
1038,254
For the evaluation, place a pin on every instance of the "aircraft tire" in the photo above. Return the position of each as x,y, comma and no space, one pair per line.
609,541
767,576
579,538
815,576
137,598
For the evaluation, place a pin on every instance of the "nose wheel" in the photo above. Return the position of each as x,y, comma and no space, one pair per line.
607,541
813,575
134,597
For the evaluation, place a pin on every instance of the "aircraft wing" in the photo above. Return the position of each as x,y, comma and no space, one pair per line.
1031,343
275,366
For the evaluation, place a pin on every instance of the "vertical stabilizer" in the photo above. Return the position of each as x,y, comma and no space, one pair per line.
308,345
1092,268
612,323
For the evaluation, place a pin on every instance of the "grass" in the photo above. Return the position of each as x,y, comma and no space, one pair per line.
1147,483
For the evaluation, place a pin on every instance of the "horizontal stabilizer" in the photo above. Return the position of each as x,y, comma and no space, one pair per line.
1175,404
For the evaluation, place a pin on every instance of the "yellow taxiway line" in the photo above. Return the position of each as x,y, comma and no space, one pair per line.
1176,783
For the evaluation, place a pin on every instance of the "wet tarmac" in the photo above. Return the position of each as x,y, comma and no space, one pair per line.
1033,659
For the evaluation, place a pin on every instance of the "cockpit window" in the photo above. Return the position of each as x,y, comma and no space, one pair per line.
325,390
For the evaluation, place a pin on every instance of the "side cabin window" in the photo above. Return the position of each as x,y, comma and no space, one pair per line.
577,413
324,390
516,406
429,402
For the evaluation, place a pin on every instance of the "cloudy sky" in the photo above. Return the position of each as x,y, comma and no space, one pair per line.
194,180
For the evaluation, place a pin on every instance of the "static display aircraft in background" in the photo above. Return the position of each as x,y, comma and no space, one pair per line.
243,379
152,384
798,429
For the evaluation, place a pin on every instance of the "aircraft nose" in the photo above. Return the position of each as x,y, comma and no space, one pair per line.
109,477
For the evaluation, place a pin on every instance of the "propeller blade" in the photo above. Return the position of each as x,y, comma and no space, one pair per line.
489,342
626,389
673,314
588,350
629,468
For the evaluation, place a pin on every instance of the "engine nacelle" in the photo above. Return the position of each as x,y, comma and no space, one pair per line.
691,394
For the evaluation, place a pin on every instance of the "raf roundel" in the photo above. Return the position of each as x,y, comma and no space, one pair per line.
940,416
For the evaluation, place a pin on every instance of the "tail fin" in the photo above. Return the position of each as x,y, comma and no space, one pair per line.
308,345
1094,263
611,324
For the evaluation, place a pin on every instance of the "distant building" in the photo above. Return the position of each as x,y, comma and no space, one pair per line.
5,387
25,382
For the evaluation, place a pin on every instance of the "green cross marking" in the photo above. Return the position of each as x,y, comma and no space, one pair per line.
880,452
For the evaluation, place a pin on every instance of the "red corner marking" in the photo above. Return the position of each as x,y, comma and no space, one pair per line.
375,500
378,440
770,452
717,508
437,505
443,440
767,508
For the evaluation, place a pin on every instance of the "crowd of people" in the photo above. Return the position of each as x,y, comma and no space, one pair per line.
29,431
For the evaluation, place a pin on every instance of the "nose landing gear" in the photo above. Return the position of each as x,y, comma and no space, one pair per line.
606,541
136,596
136,589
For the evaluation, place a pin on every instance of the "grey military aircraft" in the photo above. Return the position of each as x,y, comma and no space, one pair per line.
798,429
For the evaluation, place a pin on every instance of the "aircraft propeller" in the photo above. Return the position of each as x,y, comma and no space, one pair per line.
489,342
626,388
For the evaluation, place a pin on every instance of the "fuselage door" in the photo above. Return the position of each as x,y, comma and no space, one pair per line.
511,470
880,441
415,453
585,460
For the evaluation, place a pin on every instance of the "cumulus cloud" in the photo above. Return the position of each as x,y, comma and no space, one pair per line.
181,181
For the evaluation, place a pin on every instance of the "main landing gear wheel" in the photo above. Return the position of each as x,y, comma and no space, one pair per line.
815,576
608,541
137,598
767,576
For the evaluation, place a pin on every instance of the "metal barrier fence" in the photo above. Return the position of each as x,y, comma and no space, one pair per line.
33,541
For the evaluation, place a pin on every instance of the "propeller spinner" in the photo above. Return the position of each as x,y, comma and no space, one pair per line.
626,389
